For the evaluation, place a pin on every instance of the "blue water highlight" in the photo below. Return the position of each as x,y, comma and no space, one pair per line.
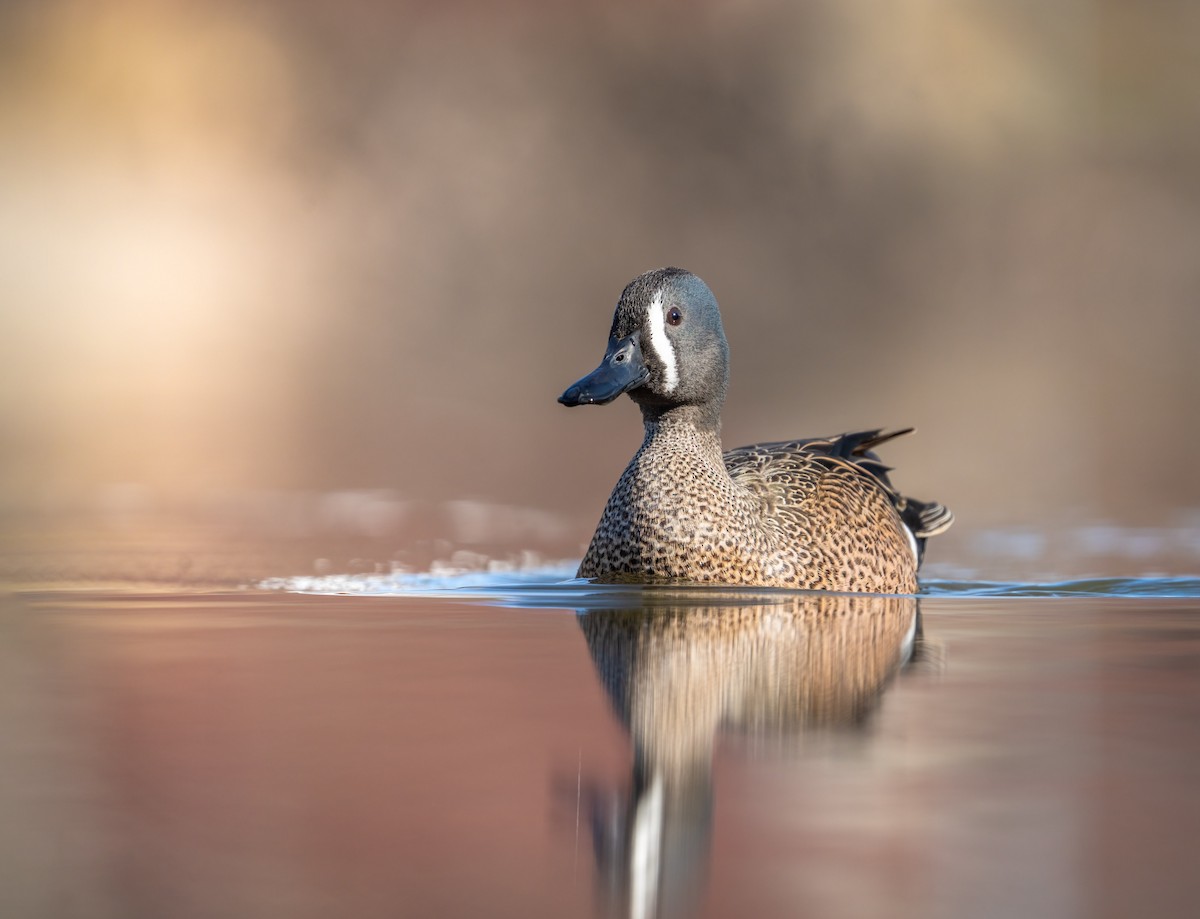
554,585
1086,587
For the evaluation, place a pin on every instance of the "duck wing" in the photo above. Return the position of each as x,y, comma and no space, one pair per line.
796,466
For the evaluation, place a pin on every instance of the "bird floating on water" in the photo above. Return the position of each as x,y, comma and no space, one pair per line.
818,513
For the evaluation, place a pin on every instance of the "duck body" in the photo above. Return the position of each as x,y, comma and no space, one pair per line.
814,514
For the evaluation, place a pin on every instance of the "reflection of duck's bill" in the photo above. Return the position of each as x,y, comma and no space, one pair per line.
622,369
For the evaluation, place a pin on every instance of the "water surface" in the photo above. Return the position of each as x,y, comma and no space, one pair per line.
550,749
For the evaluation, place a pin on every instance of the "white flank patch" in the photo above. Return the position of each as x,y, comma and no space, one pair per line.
912,542
661,345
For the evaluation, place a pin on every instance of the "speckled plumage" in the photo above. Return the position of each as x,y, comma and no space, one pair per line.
816,514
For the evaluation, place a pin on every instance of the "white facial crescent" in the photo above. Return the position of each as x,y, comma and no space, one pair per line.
661,345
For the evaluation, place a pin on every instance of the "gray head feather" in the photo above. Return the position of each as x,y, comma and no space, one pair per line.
697,350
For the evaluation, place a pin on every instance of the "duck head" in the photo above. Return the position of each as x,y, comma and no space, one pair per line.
667,347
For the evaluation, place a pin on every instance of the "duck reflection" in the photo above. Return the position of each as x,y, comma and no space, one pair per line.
679,675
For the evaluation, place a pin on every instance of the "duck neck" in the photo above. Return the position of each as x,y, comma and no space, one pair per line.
683,419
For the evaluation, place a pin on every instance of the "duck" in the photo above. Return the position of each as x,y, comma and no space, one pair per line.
813,514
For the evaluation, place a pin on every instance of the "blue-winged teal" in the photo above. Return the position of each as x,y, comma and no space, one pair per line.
817,513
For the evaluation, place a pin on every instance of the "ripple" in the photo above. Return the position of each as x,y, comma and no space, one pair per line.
554,585
1086,587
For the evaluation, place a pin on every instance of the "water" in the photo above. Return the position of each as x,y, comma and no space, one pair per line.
474,744
557,582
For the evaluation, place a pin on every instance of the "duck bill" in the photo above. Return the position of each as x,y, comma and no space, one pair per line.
622,369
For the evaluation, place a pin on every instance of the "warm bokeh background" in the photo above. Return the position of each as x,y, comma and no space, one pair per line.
286,260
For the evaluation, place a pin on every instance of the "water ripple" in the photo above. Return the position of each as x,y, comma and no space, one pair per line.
555,586
1085,587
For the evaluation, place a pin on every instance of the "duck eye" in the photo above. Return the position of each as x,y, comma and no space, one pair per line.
674,316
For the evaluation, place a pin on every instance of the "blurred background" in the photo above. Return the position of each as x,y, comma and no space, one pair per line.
312,275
